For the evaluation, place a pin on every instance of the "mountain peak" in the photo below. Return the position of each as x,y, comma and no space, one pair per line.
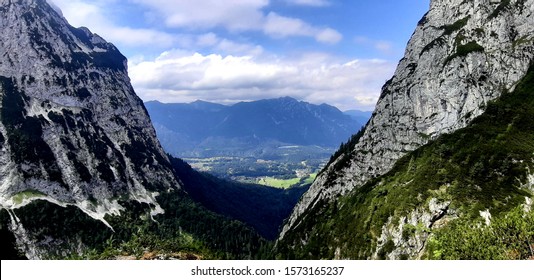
201,102
74,131
206,106
287,99
46,36
462,55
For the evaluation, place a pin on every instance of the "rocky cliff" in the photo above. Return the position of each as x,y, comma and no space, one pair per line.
72,130
462,55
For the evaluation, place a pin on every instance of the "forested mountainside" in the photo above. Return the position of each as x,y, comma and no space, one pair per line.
261,207
186,230
462,56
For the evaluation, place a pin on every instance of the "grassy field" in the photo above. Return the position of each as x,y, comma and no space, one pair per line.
284,184
310,179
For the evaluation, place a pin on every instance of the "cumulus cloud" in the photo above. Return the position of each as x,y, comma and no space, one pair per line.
234,15
379,45
281,27
329,36
178,76
237,70
314,3
191,18
239,15
226,46
55,7
93,15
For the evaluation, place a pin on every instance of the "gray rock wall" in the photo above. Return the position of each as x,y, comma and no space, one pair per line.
462,55
73,130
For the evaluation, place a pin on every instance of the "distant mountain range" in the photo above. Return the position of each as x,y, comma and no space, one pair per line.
189,129
359,116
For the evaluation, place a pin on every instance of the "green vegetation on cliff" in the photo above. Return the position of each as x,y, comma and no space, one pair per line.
186,230
483,167
507,237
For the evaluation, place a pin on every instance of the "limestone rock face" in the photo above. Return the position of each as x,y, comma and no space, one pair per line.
72,130
410,234
462,55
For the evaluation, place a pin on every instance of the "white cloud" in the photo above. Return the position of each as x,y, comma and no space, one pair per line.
230,47
238,15
226,46
177,76
384,46
137,37
329,36
379,45
96,14
207,40
239,70
55,7
281,27
234,15
314,3
93,15
191,17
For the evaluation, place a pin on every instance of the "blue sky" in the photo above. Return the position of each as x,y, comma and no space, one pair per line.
322,51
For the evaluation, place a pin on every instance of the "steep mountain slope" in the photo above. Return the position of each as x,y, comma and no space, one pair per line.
201,125
81,170
186,230
461,196
263,208
72,128
462,55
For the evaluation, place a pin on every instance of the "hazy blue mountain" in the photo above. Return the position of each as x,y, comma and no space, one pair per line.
200,125
359,116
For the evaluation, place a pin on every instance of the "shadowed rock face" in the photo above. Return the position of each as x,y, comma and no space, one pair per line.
462,55
72,130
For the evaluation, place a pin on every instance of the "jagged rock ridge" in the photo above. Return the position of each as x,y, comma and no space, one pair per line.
462,55
72,130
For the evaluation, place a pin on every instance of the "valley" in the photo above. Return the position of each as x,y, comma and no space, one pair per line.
279,171
273,173
442,169
275,142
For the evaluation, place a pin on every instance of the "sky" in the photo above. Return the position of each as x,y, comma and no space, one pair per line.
338,52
